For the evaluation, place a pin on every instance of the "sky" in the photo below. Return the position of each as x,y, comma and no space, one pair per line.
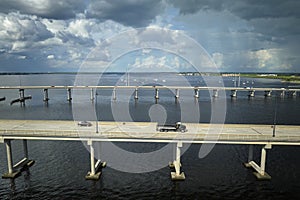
119,35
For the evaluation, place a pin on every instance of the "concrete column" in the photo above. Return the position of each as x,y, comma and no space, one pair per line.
9,157
282,94
22,96
114,94
156,93
176,93
177,175
177,161
268,93
136,94
251,93
215,93
92,157
196,93
263,161
233,93
25,149
94,174
92,94
21,93
69,94
46,96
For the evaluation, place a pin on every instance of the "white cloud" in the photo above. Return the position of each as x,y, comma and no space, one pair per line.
262,60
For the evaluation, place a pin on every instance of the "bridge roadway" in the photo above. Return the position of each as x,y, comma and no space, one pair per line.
215,90
150,87
248,134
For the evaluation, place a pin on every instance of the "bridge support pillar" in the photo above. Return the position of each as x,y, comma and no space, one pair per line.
92,94
215,93
22,96
95,172
251,93
259,170
15,170
233,93
282,94
268,93
46,96
69,93
136,94
196,93
292,93
114,94
177,175
156,93
176,94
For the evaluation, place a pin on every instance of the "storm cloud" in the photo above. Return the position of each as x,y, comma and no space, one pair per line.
246,35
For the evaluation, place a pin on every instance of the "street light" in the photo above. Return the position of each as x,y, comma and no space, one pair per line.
96,94
275,117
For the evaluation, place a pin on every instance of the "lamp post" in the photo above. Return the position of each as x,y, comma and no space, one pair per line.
96,94
275,117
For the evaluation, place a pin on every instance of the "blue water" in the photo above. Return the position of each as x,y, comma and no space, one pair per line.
61,166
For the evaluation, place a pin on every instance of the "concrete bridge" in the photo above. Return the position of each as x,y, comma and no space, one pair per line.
176,89
243,134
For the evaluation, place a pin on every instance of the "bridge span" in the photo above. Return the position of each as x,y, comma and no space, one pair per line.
245,134
214,91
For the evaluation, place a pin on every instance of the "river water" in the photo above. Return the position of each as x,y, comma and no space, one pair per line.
61,166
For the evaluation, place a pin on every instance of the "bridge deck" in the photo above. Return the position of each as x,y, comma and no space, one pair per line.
149,87
146,132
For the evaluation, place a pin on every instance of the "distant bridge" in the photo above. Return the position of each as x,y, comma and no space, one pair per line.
214,91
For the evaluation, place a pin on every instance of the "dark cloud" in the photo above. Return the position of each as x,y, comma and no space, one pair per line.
193,6
134,13
246,9
249,9
60,9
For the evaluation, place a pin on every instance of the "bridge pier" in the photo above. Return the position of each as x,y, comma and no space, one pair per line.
233,93
215,93
196,93
15,170
69,93
292,93
92,95
177,175
259,170
114,94
95,172
156,93
136,94
251,93
176,94
282,94
46,96
268,93
21,98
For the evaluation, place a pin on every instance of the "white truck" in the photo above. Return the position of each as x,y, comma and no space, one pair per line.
177,127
